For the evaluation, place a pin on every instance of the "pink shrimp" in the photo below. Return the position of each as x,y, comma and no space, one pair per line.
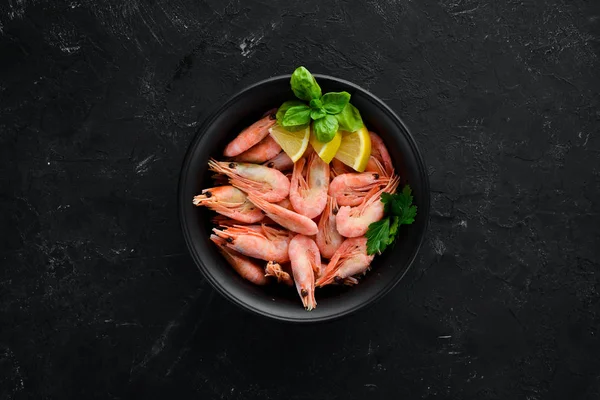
308,189
355,221
379,151
230,202
339,168
270,183
322,271
260,152
250,136
247,268
351,189
349,260
277,271
286,203
264,242
281,162
221,220
288,219
306,261
375,166
328,238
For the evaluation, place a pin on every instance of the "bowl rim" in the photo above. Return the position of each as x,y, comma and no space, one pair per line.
184,171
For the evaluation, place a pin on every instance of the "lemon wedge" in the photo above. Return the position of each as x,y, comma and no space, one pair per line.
326,150
293,143
355,149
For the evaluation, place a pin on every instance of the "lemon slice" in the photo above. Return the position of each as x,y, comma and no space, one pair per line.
326,150
355,149
293,143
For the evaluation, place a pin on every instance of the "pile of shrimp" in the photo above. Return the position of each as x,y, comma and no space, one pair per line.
300,223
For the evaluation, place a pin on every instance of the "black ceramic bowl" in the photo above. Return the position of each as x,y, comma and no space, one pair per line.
279,301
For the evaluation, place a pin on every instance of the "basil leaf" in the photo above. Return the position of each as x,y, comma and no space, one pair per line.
304,85
296,116
317,113
284,107
349,119
325,128
334,102
316,103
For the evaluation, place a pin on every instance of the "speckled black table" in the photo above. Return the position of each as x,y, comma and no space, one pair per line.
99,298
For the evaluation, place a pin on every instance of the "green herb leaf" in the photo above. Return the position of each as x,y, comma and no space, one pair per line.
400,205
349,119
400,211
316,103
317,113
296,116
395,223
284,107
325,128
304,85
335,102
378,236
387,200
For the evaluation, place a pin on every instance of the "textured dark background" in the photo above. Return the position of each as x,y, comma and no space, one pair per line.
99,298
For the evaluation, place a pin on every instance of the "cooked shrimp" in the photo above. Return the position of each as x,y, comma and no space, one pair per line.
306,260
286,203
276,270
379,151
308,189
250,136
355,221
264,242
221,220
339,168
230,202
351,189
323,268
349,260
375,166
288,219
328,238
272,185
281,162
260,152
247,268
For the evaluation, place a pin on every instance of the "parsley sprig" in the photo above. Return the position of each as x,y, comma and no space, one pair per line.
400,211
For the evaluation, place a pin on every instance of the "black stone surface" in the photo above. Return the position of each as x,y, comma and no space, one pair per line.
99,298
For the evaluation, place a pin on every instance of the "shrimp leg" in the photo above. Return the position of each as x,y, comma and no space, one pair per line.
276,270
